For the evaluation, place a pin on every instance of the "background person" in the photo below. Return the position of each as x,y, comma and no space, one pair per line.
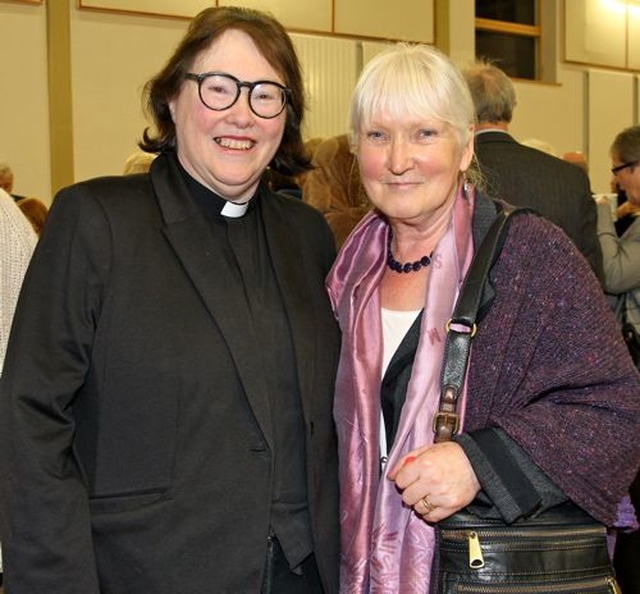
6,180
621,260
17,240
552,402
621,255
524,176
138,162
578,159
166,415
333,186
35,211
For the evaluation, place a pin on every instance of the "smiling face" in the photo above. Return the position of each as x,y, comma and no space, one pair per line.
227,151
411,166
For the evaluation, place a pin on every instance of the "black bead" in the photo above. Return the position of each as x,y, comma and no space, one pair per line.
408,266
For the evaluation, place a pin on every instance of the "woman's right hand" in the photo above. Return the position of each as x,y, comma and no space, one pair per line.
436,480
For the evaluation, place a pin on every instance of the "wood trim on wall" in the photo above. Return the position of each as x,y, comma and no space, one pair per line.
171,8
510,28
60,95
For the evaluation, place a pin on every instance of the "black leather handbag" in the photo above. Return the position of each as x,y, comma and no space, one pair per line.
562,550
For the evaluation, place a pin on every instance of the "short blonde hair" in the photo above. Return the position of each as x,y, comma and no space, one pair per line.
415,79
138,162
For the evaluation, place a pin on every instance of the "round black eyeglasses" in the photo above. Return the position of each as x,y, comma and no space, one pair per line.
615,170
219,91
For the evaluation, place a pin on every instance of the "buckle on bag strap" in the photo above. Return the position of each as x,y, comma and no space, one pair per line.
446,421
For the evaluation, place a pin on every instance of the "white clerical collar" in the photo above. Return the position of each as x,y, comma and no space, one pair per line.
233,210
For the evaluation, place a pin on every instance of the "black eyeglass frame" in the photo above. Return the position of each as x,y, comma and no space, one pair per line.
615,170
200,78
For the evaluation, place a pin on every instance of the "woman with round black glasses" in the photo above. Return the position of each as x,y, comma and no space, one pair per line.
167,409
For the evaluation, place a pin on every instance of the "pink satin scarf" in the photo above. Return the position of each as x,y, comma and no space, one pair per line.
386,546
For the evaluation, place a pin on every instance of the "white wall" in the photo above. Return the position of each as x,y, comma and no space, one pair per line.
605,121
113,56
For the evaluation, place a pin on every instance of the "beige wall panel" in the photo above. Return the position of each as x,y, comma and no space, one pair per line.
329,70
24,101
605,121
455,24
181,8
552,113
310,15
371,48
410,20
113,55
595,32
633,35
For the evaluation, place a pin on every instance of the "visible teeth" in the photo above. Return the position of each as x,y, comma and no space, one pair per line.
242,145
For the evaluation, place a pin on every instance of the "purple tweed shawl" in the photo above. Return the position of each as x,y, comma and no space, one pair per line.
547,366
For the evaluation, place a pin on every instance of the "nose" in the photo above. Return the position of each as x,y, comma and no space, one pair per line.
615,183
399,156
240,112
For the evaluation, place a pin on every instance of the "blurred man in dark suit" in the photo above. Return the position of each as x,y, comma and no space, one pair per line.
524,176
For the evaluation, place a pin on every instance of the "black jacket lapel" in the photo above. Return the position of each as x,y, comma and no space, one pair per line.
205,259
288,256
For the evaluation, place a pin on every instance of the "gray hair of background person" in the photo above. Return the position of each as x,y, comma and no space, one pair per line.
492,90
387,85
6,177
275,45
626,145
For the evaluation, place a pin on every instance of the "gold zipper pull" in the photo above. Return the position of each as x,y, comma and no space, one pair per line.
476,560
613,584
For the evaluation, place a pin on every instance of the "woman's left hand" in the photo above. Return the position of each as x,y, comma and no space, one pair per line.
436,480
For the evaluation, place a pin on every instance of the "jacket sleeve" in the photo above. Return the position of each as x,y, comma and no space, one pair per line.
512,485
620,255
46,534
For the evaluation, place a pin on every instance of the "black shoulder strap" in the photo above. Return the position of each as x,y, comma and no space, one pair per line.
462,326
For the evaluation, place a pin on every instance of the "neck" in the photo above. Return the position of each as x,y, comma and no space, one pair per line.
504,126
411,241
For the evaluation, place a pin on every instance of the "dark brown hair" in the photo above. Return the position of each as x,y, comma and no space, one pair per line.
275,45
35,210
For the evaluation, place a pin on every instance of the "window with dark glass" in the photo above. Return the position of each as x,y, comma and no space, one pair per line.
508,33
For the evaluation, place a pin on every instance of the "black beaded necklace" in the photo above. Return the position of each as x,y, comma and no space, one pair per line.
407,266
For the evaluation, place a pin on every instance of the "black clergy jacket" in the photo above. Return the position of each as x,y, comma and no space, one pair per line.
136,440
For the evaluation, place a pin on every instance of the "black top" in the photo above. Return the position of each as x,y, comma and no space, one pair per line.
251,260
